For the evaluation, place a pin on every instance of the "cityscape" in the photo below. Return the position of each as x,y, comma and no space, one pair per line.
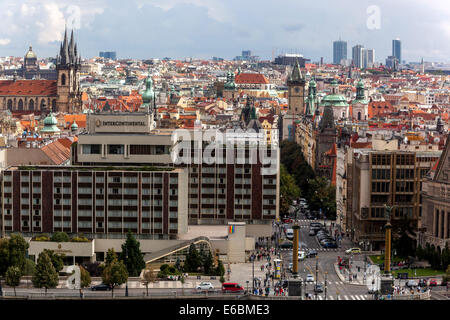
259,177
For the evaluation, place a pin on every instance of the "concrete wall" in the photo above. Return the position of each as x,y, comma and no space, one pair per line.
70,249
236,243
258,230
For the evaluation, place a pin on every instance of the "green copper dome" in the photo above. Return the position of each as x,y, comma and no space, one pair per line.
148,94
334,82
74,126
312,83
50,123
360,84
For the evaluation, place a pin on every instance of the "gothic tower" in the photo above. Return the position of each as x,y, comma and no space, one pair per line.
296,92
68,65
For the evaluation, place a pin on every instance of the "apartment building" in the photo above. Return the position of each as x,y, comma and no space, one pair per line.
393,178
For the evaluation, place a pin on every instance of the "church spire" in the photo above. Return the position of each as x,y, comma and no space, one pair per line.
64,52
296,74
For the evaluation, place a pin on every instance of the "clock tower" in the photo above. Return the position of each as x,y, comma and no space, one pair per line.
296,92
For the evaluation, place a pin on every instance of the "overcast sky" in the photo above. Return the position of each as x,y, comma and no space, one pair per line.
223,28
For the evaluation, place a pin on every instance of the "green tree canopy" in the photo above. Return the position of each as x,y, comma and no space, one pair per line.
13,275
322,195
193,260
115,272
4,255
57,259
60,237
220,269
17,250
29,268
289,190
208,262
45,275
85,278
132,256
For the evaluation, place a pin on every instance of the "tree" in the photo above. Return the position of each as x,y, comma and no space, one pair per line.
322,196
95,269
17,250
13,275
85,278
132,256
45,275
289,190
57,259
4,255
220,269
60,237
178,265
208,262
110,256
115,272
148,277
193,260
29,268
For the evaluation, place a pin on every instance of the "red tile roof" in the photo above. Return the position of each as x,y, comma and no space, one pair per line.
28,87
252,78
57,152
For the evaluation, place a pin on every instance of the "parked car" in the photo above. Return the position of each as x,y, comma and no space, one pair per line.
312,232
311,254
330,244
318,288
286,245
411,283
101,287
290,234
229,287
372,290
433,283
205,286
309,278
423,282
288,220
353,251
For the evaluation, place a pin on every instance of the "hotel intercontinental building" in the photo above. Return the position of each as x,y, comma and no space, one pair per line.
122,177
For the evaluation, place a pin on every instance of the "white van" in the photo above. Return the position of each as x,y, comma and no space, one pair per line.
290,234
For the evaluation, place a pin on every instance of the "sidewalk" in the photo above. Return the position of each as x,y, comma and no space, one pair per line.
345,277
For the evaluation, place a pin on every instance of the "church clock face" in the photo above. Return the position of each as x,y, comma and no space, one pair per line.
297,89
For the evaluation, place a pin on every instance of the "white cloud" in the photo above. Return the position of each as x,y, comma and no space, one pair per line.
216,9
4,42
51,27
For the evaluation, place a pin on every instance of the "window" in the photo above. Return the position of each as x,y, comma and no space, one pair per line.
84,213
173,226
57,213
84,224
115,179
100,213
99,190
99,224
37,212
157,214
25,223
24,212
91,148
67,202
116,149
67,224
24,190
157,225
36,223
99,179
140,149
115,190
84,202
85,190
85,179
67,213
36,201
130,179
99,202
67,190
145,214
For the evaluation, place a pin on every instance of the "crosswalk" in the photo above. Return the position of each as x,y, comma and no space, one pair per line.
345,297
316,249
154,285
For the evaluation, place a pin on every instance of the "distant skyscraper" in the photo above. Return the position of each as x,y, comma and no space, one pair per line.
108,55
339,51
397,49
246,53
368,58
357,56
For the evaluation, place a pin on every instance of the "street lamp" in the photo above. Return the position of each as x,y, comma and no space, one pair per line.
326,285
317,273
126,260
253,274
247,287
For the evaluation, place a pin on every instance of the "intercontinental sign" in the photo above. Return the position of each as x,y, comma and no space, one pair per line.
120,123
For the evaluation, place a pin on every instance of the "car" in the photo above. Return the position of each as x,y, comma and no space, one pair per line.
433,283
288,220
290,234
231,287
286,245
205,286
372,290
311,254
423,282
312,232
301,255
353,251
309,278
326,239
291,265
330,245
411,283
318,288
101,287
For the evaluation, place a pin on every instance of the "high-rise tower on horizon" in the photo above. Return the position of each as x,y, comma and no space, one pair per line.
339,51
397,49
